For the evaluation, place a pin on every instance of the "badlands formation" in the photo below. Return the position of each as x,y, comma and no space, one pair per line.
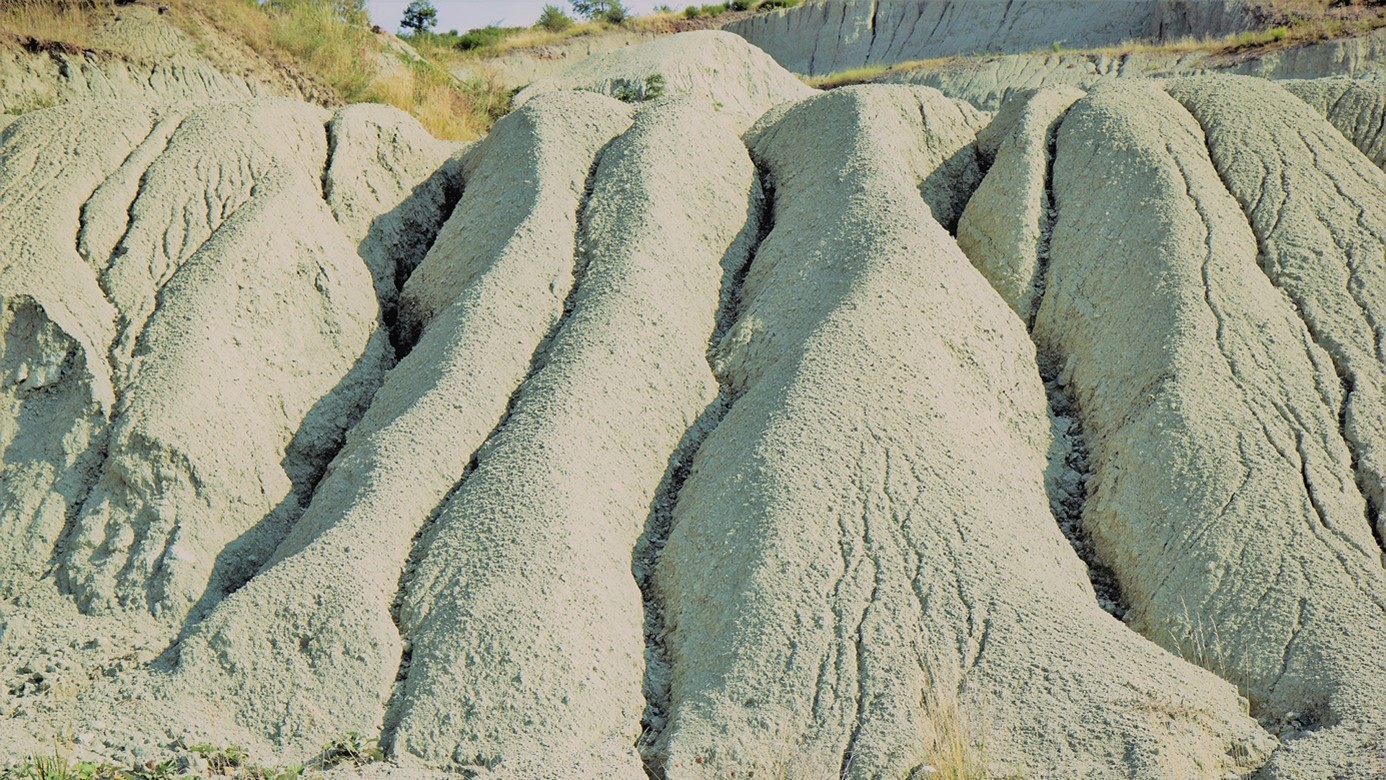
750,431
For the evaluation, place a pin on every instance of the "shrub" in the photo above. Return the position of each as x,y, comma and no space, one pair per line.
616,13
739,5
483,37
553,19
693,12
632,91
773,4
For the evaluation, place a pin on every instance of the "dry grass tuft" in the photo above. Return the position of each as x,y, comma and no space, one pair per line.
323,42
68,21
951,740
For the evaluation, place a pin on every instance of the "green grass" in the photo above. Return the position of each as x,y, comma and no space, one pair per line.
222,762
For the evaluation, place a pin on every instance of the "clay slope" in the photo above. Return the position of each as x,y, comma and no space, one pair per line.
719,67
137,54
624,443
989,81
826,36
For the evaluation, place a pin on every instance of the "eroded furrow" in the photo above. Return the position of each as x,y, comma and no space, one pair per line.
176,520
56,325
651,544
312,632
1006,231
533,554
1356,108
1320,229
392,187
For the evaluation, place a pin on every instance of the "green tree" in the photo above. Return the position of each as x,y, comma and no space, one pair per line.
420,16
610,10
553,19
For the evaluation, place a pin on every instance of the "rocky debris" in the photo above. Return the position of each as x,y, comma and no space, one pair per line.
828,36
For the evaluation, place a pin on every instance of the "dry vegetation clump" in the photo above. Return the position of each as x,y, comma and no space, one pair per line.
333,41
326,42
66,21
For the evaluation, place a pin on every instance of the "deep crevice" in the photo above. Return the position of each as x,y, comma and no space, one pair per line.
1069,473
659,522
1070,468
424,537
1050,216
450,179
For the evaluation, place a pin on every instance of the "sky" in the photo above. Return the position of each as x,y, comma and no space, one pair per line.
463,15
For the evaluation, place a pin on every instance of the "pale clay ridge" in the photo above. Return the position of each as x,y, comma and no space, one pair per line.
543,528
1004,229
1357,109
841,401
1221,494
225,520
436,404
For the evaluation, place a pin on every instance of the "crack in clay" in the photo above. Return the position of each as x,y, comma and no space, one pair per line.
1069,452
1341,365
645,560
1050,217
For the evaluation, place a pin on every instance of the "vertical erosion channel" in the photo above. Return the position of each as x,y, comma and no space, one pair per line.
660,519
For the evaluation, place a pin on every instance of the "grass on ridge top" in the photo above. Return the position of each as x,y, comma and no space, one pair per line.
328,42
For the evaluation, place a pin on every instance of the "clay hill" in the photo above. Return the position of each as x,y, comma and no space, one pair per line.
696,423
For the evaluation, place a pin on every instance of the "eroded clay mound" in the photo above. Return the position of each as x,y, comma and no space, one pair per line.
620,443
716,66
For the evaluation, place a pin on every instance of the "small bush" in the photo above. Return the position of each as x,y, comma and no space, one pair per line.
352,747
553,19
739,5
484,36
632,91
773,4
693,12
